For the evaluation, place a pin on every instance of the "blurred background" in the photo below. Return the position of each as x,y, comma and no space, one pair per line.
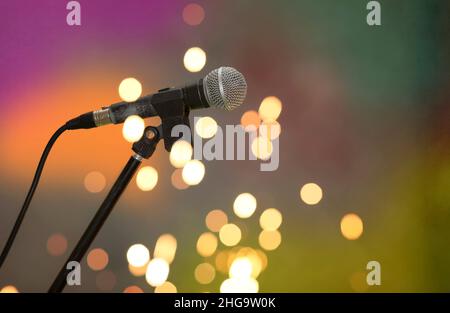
364,173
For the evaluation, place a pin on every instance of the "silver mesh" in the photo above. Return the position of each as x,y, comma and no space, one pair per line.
225,88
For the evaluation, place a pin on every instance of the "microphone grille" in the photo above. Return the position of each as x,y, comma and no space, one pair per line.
225,88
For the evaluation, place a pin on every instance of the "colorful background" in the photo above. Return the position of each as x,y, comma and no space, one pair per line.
365,116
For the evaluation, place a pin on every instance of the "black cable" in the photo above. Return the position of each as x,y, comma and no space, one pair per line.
31,191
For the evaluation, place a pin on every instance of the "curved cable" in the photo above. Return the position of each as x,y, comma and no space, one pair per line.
30,194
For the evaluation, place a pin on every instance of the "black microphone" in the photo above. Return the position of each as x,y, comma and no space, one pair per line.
224,88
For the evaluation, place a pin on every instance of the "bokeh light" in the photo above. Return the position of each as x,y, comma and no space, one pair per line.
166,287
241,268
269,239
270,130
94,182
138,255
204,273
147,178
193,172
193,14
106,280
215,220
9,289
56,244
181,153
239,285
177,179
270,219
157,272
244,205
166,247
133,128
206,127
133,289
250,120
206,244
311,193
270,109
262,148
230,235
137,271
351,226
130,89
194,59
97,259
221,261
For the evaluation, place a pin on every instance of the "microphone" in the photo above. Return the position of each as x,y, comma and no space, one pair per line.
223,88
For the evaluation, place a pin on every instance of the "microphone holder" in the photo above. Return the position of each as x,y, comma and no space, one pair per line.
144,149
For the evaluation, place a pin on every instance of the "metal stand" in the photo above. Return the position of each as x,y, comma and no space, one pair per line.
144,148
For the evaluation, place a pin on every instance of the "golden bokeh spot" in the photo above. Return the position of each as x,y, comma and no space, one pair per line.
56,244
130,89
97,259
221,262
311,193
263,258
250,120
255,259
270,219
270,109
270,130
166,287
181,153
94,182
204,273
194,59
147,178
157,272
269,239
230,234
137,271
351,226
215,220
206,244
206,127
138,255
193,172
166,247
244,205
241,268
133,128
239,285
9,289
133,289
177,179
262,148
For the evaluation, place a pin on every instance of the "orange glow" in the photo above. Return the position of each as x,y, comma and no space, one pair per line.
97,259
133,289
56,244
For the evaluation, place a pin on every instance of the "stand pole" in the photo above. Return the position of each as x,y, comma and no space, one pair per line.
144,149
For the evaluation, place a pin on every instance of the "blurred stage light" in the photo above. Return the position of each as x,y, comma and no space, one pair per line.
351,226
230,235
9,289
97,259
130,89
193,14
177,179
194,59
206,127
181,153
166,247
270,109
270,219
311,193
241,268
250,120
262,148
147,178
244,205
133,128
137,270
239,285
206,244
138,255
215,220
157,272
166,287
221,262
269,240
204,273
270,130
56,244
94,182
193,172
133,289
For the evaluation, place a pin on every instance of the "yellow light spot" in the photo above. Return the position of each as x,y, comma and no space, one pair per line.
166,287
206,244
241,268
194,59
204,273
254,257
9,289
230,235
56,244
94,182
270,109
250,120
270,130
157,272
147,178
130,89
193,172
263,258
133,128
221,261
177,179
262,148
311,193
270,219
181,153
351,226
269,240
133,289
206,127
138,255
97,259
239,285
166,247
244,205
215,220
137,271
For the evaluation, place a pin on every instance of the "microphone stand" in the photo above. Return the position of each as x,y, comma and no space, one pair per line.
144,149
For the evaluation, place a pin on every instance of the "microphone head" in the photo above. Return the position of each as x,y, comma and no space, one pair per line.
225,88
